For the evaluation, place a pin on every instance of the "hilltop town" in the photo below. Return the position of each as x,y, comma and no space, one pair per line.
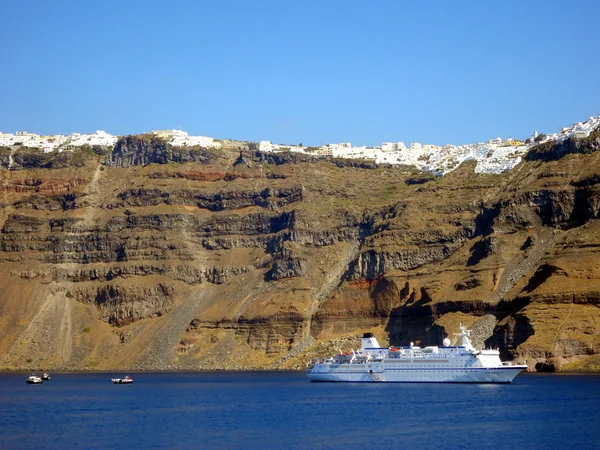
494,156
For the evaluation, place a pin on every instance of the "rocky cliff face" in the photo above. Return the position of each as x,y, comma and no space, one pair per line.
149,149
155,257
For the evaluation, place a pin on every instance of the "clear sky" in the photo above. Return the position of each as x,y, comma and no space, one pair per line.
305,71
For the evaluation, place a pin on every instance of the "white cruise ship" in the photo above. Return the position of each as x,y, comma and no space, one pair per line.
444,364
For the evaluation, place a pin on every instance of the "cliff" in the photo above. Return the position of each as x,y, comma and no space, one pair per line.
148,256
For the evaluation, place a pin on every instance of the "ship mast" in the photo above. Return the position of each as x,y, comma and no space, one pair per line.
464,335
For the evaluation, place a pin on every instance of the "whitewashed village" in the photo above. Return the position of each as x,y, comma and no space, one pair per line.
494,156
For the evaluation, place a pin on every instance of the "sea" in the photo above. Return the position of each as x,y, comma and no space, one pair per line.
283,410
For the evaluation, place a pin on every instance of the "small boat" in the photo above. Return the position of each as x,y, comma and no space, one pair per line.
34,379
126,380
45,377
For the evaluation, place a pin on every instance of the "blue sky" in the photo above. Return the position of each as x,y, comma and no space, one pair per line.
314,72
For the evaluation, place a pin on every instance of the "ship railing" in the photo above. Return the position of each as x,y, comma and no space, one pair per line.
310,364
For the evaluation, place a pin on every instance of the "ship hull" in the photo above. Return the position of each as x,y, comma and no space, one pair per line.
351,373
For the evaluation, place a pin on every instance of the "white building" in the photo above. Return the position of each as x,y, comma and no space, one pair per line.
431,148
345,150
169,134
180,138
340,150
100,137
26,139
416,147
389,147
393,146
267,146
6,139
297,149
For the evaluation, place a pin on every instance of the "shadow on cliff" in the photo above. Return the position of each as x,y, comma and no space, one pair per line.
413,320
410,324
514,327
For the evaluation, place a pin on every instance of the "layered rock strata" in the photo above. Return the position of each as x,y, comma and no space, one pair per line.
148,256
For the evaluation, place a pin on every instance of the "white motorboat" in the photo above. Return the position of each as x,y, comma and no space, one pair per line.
126,380
34,379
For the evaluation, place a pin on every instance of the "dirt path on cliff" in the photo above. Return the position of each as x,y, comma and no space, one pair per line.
65,342
92,200
521,266
11,159
161,353
333,279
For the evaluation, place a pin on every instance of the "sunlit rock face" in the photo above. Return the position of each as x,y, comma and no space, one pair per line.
152,256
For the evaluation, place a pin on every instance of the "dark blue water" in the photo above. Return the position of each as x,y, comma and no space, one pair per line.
284,410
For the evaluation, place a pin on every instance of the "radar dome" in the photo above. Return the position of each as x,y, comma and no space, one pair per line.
446,342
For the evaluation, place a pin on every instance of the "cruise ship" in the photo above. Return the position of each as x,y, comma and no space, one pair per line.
437,364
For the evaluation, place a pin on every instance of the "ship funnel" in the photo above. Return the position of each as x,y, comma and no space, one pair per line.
369,341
